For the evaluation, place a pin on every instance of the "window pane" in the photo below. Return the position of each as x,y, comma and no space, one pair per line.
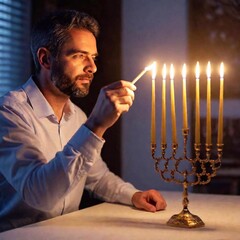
15,59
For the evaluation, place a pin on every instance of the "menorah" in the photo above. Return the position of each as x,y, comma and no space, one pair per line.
185,170
199,169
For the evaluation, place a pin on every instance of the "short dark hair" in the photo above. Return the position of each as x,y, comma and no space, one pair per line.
53,31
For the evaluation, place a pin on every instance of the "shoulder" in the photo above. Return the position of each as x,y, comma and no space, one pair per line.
14,99
13,107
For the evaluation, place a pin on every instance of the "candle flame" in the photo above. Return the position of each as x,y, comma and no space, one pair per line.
221,70
164,71
154,70
172,72
184,71
148,68
197,70
209,70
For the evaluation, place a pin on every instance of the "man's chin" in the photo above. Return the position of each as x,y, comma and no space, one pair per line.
80,93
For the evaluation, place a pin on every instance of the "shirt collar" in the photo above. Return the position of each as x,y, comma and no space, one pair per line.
40,105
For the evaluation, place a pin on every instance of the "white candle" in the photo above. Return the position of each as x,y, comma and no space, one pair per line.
148,68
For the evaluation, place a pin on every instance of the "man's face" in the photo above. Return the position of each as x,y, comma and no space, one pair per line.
73,71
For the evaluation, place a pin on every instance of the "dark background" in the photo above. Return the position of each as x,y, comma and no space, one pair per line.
108,14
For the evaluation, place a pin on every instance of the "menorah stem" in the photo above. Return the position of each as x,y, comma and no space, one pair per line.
185,196
185,218
185,132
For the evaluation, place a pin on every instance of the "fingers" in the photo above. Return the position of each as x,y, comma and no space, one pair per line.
121,94
113,100
149,207
157,199
150,200
121,84
123,102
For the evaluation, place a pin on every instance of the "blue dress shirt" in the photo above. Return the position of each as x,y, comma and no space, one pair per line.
44,164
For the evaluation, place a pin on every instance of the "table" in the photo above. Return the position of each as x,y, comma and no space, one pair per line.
221,214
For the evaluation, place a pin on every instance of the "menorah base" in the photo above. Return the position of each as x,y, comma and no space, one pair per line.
185,219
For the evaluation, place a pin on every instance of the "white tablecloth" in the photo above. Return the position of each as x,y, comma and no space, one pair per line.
220,213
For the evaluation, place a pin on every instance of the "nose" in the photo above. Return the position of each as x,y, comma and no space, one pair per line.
90,66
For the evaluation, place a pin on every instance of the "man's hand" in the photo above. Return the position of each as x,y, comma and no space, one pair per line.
150,200
112,101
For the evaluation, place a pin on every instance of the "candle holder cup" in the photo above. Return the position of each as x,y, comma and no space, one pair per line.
198,171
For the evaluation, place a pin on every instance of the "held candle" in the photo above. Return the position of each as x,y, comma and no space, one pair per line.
153,117
220,114
141,74
209,128
173,111
184,97
163,126
197,113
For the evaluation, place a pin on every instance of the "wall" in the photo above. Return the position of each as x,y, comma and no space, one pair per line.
151,30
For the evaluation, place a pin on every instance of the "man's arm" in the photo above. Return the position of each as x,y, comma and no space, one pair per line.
114,100
42,182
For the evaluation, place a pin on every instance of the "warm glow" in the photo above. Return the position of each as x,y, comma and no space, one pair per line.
184,71
154,70
221,70
209,70
164,71
197,70
148,68
172,72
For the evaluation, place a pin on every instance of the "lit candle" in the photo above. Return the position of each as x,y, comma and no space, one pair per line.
163,126
173,112
148,68
220,114
153,118
209,128
197,113
184,92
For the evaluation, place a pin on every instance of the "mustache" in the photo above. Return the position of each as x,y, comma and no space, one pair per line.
69,89
88,76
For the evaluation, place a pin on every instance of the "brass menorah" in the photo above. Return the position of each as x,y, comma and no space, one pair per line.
199,170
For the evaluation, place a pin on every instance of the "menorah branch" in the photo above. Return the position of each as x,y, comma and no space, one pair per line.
197,170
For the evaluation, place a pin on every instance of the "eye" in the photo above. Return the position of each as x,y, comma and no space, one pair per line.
79,56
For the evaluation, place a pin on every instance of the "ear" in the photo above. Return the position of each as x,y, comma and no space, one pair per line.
44,58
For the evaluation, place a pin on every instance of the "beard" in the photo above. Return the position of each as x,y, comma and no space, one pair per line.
68,85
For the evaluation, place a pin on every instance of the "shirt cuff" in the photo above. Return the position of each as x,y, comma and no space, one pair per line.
127,194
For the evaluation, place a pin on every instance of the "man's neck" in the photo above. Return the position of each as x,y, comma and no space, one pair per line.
55,98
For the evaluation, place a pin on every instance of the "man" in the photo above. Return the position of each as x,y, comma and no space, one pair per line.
49,150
